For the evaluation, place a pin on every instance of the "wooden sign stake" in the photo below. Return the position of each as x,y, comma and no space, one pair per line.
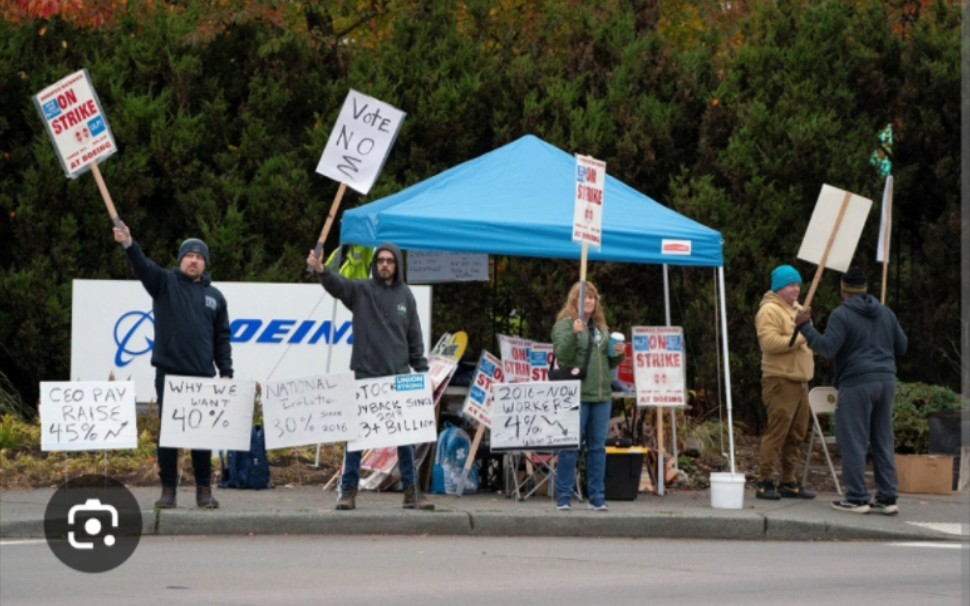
822,261
105,195
330,218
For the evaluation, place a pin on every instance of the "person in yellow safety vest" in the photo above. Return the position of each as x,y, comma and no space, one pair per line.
357,264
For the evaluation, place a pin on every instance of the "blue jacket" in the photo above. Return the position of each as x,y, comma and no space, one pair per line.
191,320
387,330
864,338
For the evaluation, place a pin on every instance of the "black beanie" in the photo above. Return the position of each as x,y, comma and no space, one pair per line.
854,280
194,245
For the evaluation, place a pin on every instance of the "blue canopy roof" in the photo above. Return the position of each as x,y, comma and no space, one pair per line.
518,200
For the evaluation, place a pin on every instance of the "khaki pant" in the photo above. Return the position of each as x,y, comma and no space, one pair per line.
788,416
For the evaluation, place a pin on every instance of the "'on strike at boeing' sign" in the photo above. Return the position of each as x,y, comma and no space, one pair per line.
277,331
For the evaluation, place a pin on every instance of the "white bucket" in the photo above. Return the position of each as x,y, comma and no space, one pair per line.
727,490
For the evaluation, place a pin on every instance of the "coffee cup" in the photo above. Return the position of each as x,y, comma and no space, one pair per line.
615,338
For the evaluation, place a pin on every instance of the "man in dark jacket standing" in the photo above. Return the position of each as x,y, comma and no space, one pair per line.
387,341
864,338
191,339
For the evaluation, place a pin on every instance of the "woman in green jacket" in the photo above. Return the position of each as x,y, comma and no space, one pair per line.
571,336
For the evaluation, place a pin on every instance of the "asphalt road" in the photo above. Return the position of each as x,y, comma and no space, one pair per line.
468,571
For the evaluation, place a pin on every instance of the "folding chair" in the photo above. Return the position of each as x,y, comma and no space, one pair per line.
539,469
822,401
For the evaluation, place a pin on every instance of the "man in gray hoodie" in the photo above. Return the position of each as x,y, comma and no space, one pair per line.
864,338
387,341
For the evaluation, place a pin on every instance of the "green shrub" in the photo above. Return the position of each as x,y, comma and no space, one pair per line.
915,402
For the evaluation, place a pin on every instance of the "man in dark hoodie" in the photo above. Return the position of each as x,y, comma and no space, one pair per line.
864,338
387,341
191,339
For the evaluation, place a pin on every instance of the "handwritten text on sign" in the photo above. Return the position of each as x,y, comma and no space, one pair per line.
207,414
310,410
478,402
75,122
535,416
658,353
360,141
394,411
87,415
432,267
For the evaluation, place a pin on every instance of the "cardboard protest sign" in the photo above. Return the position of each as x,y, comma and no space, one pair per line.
834,229
435,267
76,123
478,400
885,234
659,364
207,414
535,416
393,411
588,209
540,359
87,415
360,141
515,358
832,235
309,410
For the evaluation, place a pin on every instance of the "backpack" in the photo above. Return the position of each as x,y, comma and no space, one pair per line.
248,470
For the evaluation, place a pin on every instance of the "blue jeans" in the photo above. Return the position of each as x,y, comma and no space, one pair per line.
594,423
405,462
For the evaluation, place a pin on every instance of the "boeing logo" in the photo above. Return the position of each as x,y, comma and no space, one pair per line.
134,332
126,328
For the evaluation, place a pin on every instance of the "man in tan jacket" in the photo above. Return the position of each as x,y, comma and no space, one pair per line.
785,371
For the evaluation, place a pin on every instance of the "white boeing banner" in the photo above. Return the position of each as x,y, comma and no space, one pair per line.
279,331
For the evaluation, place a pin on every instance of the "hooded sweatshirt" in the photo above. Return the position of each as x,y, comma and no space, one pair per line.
387,330
775,323
864,338
191,320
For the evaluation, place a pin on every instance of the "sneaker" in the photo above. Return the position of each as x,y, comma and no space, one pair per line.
564,506
599,506
347,500
849,506
767,490
886,509
794,490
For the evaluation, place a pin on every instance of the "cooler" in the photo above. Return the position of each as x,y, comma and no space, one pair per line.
623,469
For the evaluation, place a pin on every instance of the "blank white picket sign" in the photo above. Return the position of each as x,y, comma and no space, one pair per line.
207,414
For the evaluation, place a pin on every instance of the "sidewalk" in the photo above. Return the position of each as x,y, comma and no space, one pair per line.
680,514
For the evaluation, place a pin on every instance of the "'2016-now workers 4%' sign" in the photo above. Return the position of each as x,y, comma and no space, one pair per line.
76,123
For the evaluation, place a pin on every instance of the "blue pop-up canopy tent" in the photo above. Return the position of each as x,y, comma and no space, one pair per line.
518,200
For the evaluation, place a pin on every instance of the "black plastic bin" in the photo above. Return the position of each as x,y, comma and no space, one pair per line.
623,469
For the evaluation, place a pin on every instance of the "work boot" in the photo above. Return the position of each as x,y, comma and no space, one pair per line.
167,500
204,498
767,490
413,499
347,500
794,490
